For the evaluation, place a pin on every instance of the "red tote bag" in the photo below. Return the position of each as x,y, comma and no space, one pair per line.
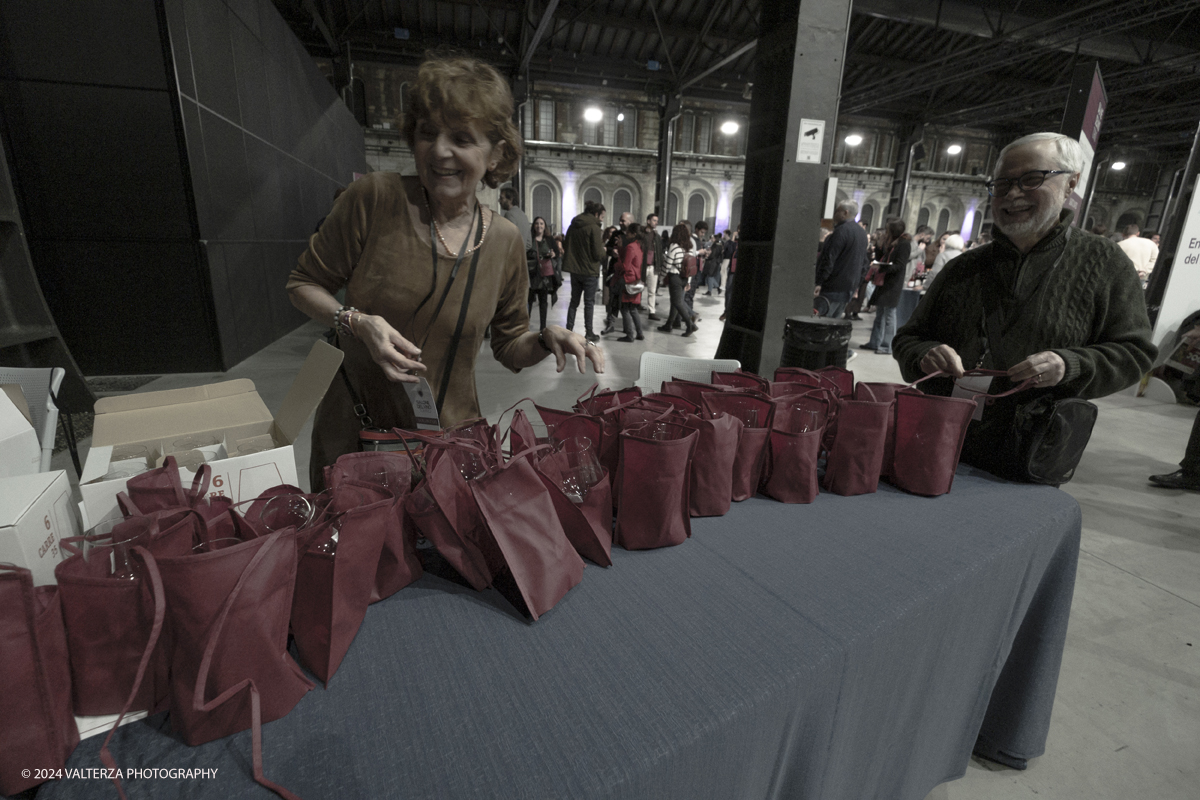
691,390
792,473
587,525
161,490
108,620
228,611
654,478
519,514
756,412
930,430
334,582
856,455
38,730
680,404
882,393
741,379
711,489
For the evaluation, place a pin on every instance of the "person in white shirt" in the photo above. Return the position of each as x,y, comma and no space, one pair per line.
1142,252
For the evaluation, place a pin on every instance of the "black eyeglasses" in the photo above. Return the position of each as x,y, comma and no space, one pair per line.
1028,182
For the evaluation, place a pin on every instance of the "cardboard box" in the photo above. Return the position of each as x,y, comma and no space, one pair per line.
20,450
231,413
35,515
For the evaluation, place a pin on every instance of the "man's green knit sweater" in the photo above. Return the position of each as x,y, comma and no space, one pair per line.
1089,309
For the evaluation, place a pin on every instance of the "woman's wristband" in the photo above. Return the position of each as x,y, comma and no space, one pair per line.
542,341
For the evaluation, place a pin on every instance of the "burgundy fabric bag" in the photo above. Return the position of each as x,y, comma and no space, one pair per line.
930,431
691,390
792,474
391,473
711,490
520,516
446,514
837,379
654,477
843,378
521,435
229,611
591,402
335,581
856,455
882,393
108,620
588,525
756,412
681,404
741,379
38,730
162,490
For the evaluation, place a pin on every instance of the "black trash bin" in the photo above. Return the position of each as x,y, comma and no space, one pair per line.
815,342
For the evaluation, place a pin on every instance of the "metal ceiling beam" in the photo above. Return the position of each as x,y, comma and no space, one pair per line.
543,24
1019,46
717,8
971,18
734,56
311,7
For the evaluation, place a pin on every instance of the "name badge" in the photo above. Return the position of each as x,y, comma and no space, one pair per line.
420,397
971,386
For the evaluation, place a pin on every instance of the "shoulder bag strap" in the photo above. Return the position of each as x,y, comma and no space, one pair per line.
452,352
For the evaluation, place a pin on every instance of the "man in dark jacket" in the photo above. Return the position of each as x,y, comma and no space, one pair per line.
843,259
584,246
652,267
1071,314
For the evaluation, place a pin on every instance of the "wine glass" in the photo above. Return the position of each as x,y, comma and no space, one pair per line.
119,554
329,546
213,545
804,419
574,484
581,456
469,463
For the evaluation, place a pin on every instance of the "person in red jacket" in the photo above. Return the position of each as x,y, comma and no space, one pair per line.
632,257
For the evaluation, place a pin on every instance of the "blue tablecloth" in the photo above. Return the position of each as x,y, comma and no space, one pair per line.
852,648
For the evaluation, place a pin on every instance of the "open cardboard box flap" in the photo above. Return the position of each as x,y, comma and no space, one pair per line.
217,406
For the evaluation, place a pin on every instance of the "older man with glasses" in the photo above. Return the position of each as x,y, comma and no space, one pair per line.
1066,306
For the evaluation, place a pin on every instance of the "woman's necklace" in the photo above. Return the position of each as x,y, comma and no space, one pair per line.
441,239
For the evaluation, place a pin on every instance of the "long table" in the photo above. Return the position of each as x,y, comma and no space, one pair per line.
857,647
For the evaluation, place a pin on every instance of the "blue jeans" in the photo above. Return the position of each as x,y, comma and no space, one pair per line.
883,330
837,303
584,286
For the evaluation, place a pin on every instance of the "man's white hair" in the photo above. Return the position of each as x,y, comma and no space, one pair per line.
849,206
954,241
1068,152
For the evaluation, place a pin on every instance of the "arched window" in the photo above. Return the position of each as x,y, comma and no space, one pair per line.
592,195
735,213
943,221
868,215
672,210
923,217
543,204
622,202
695,211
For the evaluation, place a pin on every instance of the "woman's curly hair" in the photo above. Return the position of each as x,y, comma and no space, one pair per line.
456,89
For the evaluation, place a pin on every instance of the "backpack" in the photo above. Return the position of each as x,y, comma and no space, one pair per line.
690,265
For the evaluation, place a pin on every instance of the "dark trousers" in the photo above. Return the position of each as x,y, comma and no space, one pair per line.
585,287
541,301
629,310
679,310
1191,455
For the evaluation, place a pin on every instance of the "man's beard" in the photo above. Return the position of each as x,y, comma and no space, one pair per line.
1037,224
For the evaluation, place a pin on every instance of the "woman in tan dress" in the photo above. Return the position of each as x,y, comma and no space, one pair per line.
409,249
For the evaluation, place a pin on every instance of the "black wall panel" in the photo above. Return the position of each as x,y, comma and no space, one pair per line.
171,158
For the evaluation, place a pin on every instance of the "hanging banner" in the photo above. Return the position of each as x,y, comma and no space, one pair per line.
1182,295
1082,119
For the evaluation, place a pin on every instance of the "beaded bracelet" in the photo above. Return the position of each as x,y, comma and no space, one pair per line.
343,320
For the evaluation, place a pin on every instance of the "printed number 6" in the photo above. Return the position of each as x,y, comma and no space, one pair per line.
217,481
47,521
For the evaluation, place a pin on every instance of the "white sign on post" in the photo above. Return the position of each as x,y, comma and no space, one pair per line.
812,138
1182,295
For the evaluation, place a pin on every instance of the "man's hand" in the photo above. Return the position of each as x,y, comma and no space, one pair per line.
942,358
562,341
816,291
395,355
1045,369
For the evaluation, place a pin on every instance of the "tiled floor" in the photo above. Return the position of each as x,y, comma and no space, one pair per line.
1127,715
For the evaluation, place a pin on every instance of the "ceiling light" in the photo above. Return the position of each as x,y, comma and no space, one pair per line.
620,117
1118,165
729,128
954,149
593,114
854,140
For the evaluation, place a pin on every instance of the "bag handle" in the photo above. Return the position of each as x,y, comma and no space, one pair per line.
160,610
979,373
210,648
200,483
589,394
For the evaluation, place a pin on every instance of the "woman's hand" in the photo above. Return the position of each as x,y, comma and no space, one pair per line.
942,358
394,354
561,342
1045,369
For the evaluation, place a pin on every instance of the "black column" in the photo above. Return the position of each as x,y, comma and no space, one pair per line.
668,112
797,76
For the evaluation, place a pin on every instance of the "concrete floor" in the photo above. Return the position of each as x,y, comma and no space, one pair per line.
1127,715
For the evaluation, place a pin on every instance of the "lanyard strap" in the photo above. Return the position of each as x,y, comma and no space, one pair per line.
462,252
